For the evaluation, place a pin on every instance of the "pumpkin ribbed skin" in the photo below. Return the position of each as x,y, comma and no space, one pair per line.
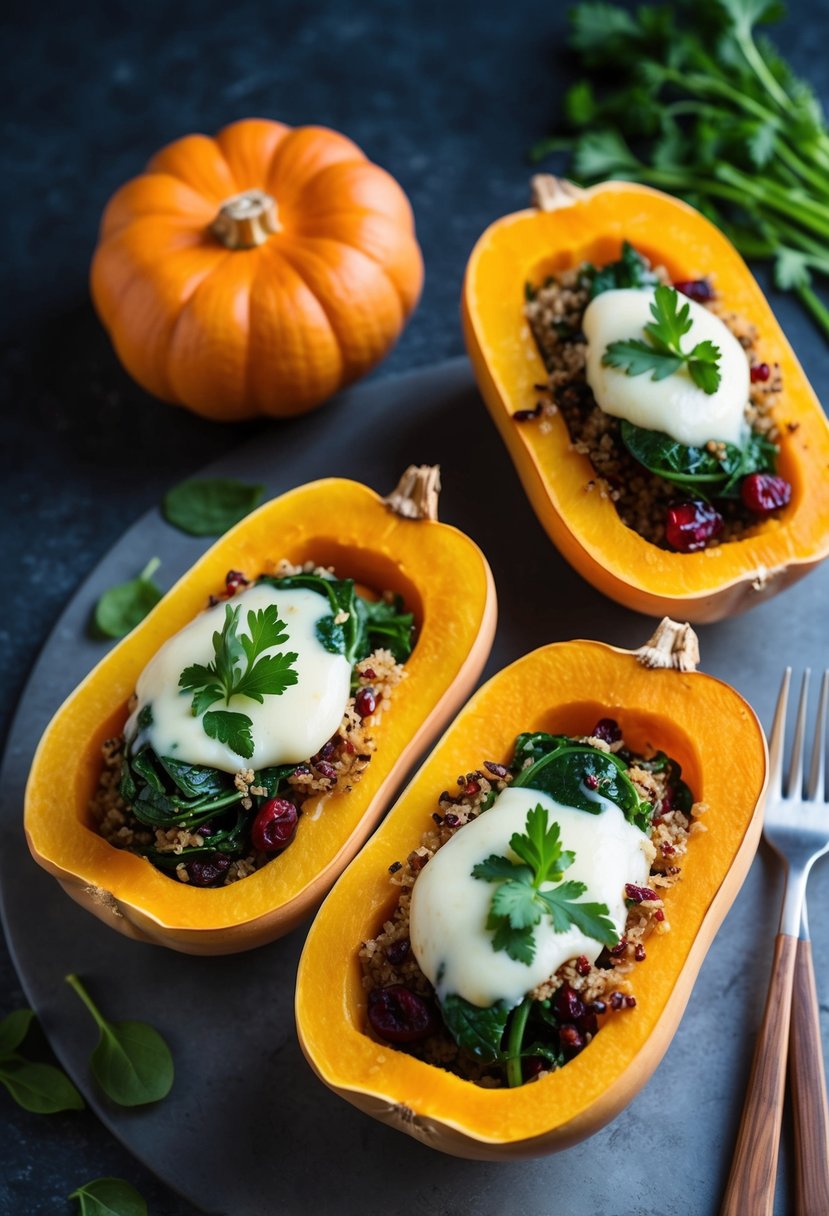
590,225
331,522
274,329
565,687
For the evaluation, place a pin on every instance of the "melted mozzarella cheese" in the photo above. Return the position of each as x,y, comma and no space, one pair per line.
674,405
287,728
449,907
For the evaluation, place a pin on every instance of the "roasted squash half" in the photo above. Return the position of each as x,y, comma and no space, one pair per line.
564,687
444,580
590,225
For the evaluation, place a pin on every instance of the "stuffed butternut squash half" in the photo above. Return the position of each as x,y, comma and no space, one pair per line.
664,431
207,782
502,967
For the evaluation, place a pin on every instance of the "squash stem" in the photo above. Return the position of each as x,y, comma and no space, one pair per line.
518,1025
246,220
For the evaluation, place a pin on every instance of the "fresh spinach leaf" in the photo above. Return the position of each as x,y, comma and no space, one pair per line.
14,1028
478,1029
109,1197
131,1063
208,506
122,607
40,1088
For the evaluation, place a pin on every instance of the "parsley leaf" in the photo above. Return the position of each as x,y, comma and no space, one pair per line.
519,904
662,354
240,669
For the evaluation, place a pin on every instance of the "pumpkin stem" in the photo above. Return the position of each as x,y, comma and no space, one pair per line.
549,193
246,220
673,645
416,494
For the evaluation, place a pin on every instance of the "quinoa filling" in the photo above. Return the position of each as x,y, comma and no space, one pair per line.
676,497
561,1015
209,828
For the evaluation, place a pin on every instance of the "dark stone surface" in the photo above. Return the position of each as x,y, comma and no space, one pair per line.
446,96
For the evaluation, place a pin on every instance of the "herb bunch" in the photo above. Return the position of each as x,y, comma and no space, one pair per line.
686,97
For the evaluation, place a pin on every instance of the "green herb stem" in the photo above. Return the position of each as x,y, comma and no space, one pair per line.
815,306
75,983
518,1025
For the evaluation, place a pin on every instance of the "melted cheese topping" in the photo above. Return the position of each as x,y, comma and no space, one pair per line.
287,728
449,907
674,405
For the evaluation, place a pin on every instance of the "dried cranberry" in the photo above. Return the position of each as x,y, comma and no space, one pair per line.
471,788
760,373
274,825
368,673
659,914
591,781
570,1039
617,1000
607,729
206,871
365,702
588,1023
399,1015
763,493
451,820
699,290
326,751
638,894
527,415
567,1004
639,953
583,964
618,950
599,1007
234,580
397,951
690,525
205,829
533,1066
326,770
498,770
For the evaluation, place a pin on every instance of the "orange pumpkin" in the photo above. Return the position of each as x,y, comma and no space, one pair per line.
256,272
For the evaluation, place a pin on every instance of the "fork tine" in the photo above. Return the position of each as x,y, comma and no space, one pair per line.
817,771
778,735
794,786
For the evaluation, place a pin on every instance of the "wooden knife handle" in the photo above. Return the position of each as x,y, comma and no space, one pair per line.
750,1186
808,1083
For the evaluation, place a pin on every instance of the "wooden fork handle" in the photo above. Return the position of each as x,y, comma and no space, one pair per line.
811,1114
750,1186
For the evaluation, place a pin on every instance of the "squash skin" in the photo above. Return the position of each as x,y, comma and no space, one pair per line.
332,522
699,587
565,686
277,329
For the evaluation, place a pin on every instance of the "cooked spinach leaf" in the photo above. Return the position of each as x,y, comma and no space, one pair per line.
697,469
478,1029
576,774
631,270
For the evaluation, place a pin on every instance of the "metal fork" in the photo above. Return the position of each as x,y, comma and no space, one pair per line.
797,827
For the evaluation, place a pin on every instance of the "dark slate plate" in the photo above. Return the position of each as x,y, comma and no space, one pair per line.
248,1130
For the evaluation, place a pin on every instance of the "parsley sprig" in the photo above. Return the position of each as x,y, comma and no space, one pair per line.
240,668
662,353
519,903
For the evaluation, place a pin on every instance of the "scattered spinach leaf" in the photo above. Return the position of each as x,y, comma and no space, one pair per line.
109,1197
37,1087
131,1063
208,506
123,606
40,1088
